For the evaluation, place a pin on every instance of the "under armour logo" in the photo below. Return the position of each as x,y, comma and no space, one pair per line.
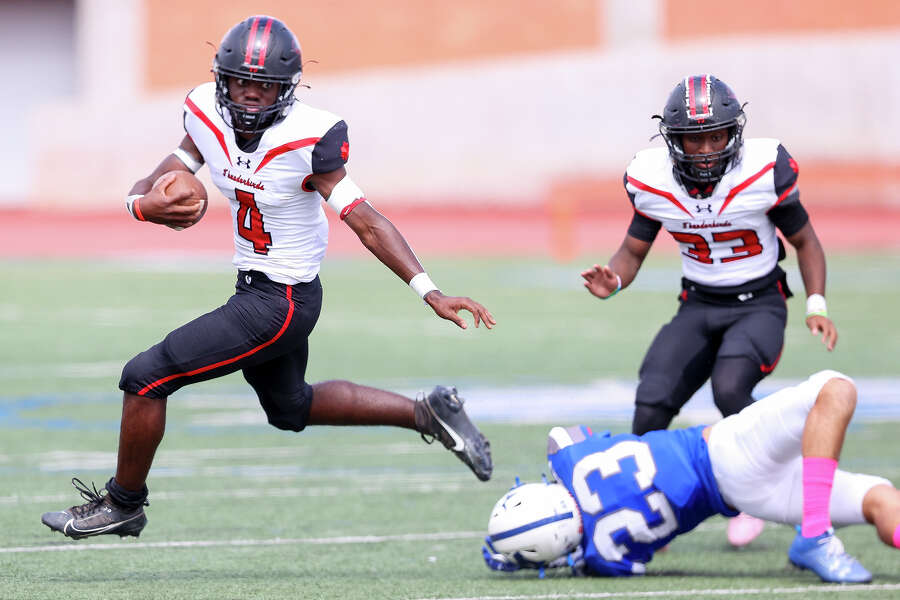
707,208
243,163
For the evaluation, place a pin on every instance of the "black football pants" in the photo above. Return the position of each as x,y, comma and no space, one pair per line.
735,343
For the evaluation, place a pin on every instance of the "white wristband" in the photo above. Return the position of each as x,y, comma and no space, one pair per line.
815,305
618,287
129,205
421,284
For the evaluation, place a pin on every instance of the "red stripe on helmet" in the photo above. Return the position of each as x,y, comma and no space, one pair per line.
692,108
705,84
248,52
264,44
698,99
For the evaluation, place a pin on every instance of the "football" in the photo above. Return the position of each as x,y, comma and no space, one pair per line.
185,180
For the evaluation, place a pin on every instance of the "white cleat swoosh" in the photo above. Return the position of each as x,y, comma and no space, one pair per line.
460,444
69,527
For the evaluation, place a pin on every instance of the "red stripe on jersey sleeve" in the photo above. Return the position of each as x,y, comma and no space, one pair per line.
645,216
222,363
667,195
216,131
285,148
743,185
784,194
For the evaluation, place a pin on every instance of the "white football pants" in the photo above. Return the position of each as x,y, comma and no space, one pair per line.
757,462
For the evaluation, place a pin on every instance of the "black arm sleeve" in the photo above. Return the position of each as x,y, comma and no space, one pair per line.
642,227
332,150
788,214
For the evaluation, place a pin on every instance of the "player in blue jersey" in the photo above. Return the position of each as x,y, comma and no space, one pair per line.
617,499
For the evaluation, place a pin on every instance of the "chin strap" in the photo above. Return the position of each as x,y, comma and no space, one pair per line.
500,562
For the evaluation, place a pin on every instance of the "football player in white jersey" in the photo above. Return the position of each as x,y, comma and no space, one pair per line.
275,160
721,198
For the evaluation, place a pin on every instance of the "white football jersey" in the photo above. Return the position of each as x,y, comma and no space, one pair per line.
726,239
279,225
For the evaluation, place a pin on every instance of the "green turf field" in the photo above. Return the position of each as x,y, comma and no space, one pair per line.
70,326
240,510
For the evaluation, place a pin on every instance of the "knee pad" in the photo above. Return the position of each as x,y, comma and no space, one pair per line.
288,413
134,377
657,401
733,380
731,400
648,417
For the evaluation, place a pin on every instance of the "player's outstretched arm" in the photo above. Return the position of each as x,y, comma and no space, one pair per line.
604,282
157,207
811,259
383,240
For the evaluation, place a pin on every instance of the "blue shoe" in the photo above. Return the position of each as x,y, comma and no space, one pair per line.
824,555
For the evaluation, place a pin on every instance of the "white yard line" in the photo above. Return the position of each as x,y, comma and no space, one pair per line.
67,546
767,592
596,401
407,487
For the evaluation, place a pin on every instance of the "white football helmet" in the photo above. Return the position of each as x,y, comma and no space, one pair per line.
537,522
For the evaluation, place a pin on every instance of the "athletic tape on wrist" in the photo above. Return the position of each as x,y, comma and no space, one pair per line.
815,306
133,205
421,284
189,161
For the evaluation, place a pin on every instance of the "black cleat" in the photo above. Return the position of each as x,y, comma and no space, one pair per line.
449,423
100,515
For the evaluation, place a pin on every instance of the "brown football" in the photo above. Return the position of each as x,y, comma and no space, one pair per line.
184,180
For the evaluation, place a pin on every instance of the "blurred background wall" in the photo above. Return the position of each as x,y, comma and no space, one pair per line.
474,103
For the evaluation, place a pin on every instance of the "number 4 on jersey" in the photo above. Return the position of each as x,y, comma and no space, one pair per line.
250,225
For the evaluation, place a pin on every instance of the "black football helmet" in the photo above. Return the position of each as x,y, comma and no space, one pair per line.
702,103
259,48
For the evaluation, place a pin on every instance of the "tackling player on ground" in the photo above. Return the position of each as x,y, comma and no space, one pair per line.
721,197
275,160
618,499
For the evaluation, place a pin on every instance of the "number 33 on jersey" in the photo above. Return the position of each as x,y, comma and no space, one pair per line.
278,222
727,238
635,493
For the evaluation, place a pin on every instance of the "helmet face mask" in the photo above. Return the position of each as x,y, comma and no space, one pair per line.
535,523
260,49
700,104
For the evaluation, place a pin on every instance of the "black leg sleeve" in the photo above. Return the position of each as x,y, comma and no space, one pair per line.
733,380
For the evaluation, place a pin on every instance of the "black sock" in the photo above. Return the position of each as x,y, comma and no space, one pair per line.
422,417
126,498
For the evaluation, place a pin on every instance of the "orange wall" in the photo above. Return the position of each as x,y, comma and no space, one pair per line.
351,34
688,19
